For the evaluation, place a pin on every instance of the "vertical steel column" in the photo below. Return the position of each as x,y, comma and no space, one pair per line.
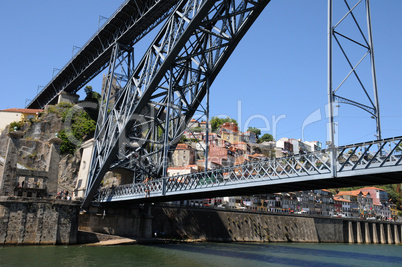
373,71
330,92
110,82
167,122
207,125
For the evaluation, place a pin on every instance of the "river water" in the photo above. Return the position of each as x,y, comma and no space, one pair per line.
205,254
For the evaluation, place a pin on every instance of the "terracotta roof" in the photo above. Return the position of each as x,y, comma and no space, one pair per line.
370,188
254,156
341,199
23,110
182,146
347,193
352,193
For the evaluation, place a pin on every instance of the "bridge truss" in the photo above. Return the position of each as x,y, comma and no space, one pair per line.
145,108
166,88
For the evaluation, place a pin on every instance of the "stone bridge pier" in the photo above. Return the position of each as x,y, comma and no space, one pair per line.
377,232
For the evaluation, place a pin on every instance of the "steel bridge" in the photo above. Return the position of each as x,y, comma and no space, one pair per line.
377,162
146,107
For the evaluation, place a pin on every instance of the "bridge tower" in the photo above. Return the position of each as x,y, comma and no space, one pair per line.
350,30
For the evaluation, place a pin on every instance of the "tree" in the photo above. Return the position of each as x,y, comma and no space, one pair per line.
266,137
254,130
217,122
92,96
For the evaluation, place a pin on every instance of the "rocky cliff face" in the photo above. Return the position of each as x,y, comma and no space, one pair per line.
34,149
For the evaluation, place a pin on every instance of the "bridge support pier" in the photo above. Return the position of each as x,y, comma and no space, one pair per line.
367,233
350,231
375,234
396,234
389,234
147,222
382,234
359,233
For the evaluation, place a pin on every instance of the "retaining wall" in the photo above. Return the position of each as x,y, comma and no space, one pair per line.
213,225
37,222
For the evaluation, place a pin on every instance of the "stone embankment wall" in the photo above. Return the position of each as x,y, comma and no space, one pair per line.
38,222
121,220
213,225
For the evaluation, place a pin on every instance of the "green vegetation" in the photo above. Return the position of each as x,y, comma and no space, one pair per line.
92,96
266,137
197,129
216,122
80,126
183,140
16,125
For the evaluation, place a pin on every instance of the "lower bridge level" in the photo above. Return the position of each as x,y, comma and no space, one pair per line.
370,163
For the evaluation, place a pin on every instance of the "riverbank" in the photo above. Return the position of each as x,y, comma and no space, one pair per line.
208,225
24,221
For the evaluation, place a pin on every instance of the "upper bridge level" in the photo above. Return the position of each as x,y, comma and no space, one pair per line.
132,21
377,162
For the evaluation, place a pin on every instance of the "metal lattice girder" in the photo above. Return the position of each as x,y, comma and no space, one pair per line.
129,24
184,59
370,159
357,41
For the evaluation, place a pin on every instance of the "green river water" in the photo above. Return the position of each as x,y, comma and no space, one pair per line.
205,254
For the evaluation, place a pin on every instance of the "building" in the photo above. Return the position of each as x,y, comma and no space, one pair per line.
249,137
314,145
380,196
183,155
173,171
230,132
222,156
324,201
10,115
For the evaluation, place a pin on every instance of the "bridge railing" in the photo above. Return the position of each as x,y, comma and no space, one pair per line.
369,155
356,157
315,163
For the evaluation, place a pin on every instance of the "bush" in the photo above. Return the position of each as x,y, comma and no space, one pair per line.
16,125
80,127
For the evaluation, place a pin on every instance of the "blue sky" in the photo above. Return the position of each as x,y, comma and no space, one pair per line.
276,79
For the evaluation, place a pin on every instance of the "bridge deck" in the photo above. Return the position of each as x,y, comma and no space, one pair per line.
377,162
133,20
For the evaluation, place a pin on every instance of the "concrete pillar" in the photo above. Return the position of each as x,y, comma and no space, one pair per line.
400,231
382,234
367,233
359,233
53,166
350,231
396,234
147,222
8,178
390,238
375,234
